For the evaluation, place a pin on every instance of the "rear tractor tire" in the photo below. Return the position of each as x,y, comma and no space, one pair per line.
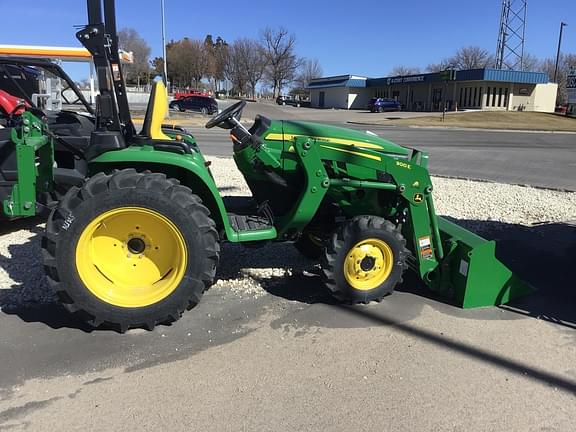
364,260
130,250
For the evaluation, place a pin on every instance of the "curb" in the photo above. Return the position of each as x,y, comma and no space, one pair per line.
479,180
466,129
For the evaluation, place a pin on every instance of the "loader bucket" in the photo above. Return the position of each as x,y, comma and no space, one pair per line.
475,276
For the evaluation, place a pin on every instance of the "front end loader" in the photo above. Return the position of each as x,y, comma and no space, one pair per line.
138,242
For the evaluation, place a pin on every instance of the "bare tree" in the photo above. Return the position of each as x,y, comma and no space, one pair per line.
157,65
252,61
309,69
565,63
216,53
220,56
129,40
235,72
530,63
440,66
472,57
404,70
187,62
282,62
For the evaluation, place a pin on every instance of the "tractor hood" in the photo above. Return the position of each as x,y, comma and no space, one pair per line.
342,136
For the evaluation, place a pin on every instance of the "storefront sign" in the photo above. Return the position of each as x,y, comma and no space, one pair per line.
571,87
404,80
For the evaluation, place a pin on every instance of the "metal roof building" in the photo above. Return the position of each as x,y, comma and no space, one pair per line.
482,89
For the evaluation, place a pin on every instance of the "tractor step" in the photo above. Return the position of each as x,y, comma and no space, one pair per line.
241,223
252,227
249,222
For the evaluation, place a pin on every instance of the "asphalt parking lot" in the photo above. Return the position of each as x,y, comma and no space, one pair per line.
269,349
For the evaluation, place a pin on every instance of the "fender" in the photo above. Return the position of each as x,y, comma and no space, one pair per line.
189,169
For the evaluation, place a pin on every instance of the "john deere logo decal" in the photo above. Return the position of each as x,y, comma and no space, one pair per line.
418,197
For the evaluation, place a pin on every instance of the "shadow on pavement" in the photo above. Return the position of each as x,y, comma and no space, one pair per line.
31,224
542,255
30,297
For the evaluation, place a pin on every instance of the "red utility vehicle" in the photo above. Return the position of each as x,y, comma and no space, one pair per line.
11,105
187,93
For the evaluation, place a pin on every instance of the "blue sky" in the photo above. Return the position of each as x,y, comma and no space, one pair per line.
361,37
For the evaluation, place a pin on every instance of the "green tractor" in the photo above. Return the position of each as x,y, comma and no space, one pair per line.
138,242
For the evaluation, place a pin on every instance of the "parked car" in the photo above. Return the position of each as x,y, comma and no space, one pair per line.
561,109
383,104
287,100
203,104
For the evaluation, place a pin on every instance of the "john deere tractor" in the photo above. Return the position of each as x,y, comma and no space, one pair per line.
138,242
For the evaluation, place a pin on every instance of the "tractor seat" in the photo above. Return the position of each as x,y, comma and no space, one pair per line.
152,128
156,113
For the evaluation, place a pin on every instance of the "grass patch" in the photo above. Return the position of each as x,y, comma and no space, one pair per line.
492,120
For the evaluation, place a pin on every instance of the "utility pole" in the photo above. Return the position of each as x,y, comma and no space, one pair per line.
562,24
164,60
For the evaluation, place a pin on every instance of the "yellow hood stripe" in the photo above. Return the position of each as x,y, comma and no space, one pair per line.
290,137
369,156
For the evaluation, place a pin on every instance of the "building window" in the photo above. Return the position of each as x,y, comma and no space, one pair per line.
500,97
493,96
506,96
460,100
475,96
487,96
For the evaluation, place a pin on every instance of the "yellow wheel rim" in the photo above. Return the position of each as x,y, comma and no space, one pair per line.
368,264
131,257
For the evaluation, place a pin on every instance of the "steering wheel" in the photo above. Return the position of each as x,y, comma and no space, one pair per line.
223,119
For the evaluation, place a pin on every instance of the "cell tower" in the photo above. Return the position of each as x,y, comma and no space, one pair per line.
510,49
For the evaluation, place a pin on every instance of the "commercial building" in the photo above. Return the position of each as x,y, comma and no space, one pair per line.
482,89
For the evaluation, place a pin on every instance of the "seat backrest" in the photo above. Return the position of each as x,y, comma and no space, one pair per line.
156,113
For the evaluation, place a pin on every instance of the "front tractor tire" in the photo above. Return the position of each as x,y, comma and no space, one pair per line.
130,249
364,260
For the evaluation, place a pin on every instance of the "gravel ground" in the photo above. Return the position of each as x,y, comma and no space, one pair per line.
246,270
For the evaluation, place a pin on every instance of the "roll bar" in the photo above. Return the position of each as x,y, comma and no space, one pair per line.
99,37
